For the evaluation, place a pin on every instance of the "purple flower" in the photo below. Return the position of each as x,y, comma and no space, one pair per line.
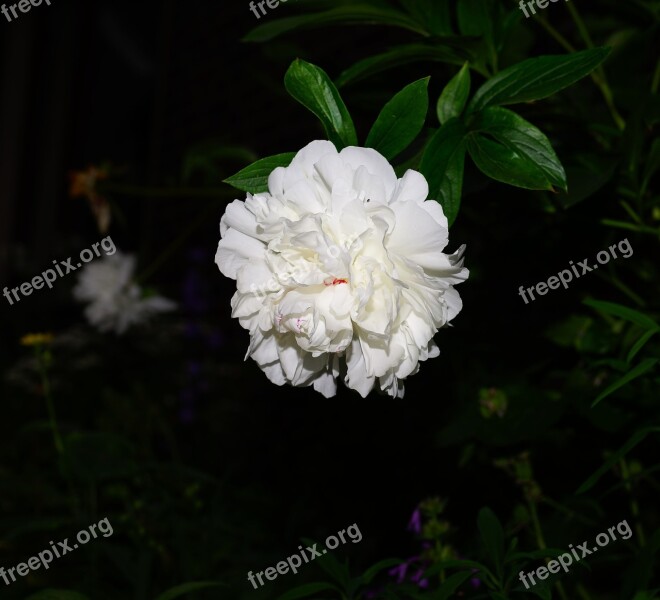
399,572
417,578
415,524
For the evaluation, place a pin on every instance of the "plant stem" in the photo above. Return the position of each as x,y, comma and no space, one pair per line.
598,76
655,84
600,72
45,384
540,540
176,244
181,192
634,507
583,593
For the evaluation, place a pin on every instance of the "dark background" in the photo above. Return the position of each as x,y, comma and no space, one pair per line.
226,472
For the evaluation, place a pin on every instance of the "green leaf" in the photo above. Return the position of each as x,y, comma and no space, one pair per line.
305,590
640,343
492,535
520,136
636,439
403,55
437,568
506,165
401,120
442,164
536,78
312,87
188,588
629,314
475,17
451,584
57,595
453,98
372,571
329,563
207,158
343,15
652,163
643,367
97,456
535,555
542,592
254,178
433,15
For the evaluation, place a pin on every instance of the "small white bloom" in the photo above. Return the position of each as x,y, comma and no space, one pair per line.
340,269
116,302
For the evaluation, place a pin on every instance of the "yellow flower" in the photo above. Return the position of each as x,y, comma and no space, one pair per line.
37,339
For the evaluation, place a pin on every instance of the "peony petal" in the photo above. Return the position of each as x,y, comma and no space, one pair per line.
375,164
356,374
416,237
238,217
412,187
234,251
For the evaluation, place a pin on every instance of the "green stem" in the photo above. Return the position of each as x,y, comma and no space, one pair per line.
540,540
181,192
601,81
583,593
45,384
597,77
176,244
655,84
634,507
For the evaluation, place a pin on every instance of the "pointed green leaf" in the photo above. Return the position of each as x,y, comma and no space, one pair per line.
506,165
630,314
57,595
453,98
442,164
304,591
401,120
434,15
188,588
372,571
438,567
331,565
312,87
254,178
536,78
520,136
643,367
405,54
451,584
640,343
492,535
343,15
637,438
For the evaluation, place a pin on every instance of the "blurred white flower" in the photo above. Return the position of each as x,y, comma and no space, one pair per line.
340,269
116,302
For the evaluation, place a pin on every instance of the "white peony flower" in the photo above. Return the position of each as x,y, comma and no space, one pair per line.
116,302
340,270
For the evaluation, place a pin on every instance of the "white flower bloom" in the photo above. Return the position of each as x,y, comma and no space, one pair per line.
340,269
116,302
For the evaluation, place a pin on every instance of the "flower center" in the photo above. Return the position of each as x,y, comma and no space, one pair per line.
333,281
